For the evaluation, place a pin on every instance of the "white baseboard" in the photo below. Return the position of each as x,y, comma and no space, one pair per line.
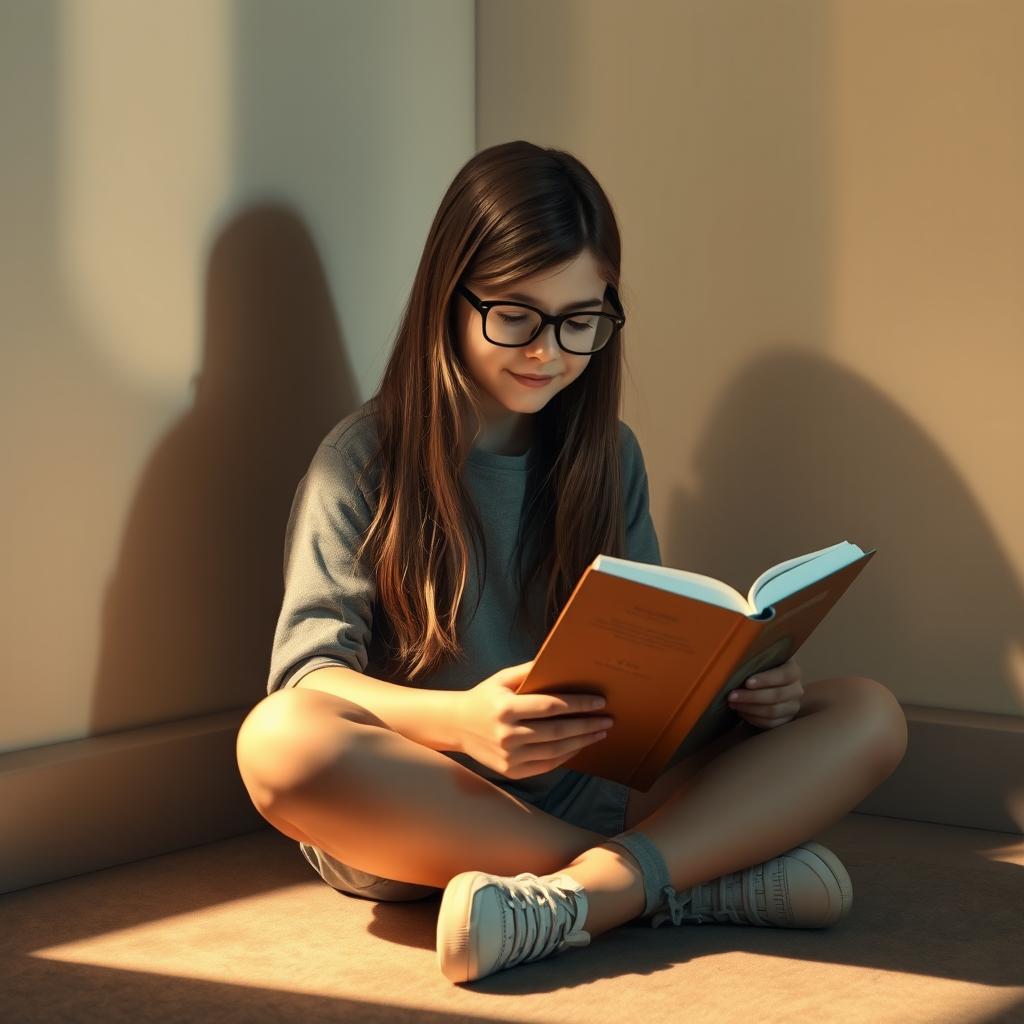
89,804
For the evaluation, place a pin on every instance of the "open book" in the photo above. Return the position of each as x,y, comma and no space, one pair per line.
666,647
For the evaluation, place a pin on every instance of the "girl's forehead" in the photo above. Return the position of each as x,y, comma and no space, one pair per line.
568,286
583,270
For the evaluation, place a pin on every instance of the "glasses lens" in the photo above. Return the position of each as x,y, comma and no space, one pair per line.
511,325
586,332
582,332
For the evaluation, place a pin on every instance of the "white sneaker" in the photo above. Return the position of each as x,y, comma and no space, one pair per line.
806,887
487,923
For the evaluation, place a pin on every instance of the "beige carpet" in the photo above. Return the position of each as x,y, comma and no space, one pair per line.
243,930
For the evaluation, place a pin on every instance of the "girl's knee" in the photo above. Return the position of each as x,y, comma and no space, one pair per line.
881,714
881,717
288,738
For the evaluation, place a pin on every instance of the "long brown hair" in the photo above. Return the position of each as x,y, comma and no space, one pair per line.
513,210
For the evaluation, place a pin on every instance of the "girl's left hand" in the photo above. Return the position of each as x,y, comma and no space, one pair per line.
771,697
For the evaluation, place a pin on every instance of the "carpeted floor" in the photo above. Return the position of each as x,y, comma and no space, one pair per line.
243,930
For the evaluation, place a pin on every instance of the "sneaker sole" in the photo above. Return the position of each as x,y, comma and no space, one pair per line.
455,956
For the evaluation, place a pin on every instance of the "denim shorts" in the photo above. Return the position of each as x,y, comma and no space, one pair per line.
587,801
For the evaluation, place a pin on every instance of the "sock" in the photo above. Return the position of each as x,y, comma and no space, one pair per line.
652,866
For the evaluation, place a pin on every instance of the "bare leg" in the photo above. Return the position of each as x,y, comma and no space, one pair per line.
319,770
759,798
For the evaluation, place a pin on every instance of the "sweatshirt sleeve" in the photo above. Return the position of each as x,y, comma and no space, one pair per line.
327,613
641,539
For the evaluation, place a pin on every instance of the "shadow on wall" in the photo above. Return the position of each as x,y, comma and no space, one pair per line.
189,613
799,454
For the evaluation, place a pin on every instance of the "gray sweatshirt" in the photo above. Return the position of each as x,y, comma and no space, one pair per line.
329,603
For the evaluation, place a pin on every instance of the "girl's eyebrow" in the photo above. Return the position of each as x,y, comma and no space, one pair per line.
581,304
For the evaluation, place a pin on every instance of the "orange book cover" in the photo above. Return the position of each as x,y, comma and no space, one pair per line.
666,661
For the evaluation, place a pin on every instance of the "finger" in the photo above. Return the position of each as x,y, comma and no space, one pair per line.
763,721
771,713
743,698
780,705
546,750
768,677
765,695
530,768
546,705
787,672
552,730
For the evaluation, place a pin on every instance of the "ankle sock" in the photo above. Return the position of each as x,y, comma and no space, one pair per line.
652,866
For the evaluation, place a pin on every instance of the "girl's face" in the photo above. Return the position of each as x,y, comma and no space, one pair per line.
508,404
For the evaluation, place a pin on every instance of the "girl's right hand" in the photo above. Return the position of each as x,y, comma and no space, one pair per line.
517,734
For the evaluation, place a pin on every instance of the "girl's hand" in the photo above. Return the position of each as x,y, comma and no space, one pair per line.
769,698
523,734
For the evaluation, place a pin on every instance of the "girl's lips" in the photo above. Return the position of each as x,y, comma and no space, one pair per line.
531,381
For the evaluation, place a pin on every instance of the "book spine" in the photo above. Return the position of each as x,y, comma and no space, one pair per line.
739,640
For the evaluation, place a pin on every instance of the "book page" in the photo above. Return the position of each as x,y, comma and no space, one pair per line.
788,577
675,581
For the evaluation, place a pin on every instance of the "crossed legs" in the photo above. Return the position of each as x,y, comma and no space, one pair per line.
323,770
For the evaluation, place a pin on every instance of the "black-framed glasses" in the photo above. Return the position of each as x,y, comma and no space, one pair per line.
513,324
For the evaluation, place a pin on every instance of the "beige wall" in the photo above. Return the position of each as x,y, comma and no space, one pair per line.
823,250
212,214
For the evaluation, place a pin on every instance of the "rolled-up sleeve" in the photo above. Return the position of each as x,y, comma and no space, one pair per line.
327,613
641,539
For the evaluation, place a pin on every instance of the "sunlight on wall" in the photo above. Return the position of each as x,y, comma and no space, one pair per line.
143,153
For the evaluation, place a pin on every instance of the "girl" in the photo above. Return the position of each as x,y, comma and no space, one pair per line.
432,541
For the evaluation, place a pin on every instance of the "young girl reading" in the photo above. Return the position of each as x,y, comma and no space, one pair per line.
431,543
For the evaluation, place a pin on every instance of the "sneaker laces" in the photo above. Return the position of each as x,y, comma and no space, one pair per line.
546,915
709,902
